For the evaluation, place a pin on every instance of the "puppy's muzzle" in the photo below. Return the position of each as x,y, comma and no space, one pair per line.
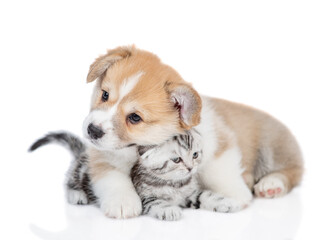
94,132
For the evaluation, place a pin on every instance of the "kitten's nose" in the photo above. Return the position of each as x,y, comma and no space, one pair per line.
94,132
189,169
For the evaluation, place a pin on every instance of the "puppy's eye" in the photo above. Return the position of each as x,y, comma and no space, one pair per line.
195,155
105,96
176,160
134,118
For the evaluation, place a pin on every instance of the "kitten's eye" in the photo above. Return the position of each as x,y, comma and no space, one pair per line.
176,160
134,118
105,96
195,155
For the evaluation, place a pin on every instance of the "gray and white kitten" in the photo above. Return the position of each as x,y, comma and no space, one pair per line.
165,178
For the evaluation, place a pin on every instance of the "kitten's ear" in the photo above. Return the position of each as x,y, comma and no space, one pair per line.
187,102
143,149
197,138
102,63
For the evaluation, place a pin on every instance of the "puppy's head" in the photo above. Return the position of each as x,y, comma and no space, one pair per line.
137,100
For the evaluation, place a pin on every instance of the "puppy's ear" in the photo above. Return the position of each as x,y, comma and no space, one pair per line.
187,102
102,63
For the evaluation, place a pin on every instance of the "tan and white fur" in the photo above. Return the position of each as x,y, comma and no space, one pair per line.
245,149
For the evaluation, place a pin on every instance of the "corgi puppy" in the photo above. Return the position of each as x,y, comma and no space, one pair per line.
138,100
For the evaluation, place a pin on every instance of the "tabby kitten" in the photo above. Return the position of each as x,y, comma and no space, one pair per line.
165,178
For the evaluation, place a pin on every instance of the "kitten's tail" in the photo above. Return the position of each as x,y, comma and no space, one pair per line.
75,145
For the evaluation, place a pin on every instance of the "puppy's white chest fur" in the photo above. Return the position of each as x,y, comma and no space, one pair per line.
223,173
123,159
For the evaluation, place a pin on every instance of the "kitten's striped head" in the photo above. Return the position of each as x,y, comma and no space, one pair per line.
176,159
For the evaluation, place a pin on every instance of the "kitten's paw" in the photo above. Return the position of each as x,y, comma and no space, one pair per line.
170,213
76,197
218,203
122,206
270,187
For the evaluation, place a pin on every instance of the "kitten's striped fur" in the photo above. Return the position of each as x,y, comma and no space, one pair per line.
163,185
166,186
78,183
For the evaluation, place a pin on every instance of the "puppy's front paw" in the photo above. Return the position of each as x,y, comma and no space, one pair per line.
125,206
218,203
170,213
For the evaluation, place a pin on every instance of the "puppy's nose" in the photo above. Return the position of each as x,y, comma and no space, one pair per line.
94,131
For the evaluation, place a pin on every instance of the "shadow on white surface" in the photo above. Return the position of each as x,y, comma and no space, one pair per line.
264,219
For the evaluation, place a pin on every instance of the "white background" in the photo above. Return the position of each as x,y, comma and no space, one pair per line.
266,54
